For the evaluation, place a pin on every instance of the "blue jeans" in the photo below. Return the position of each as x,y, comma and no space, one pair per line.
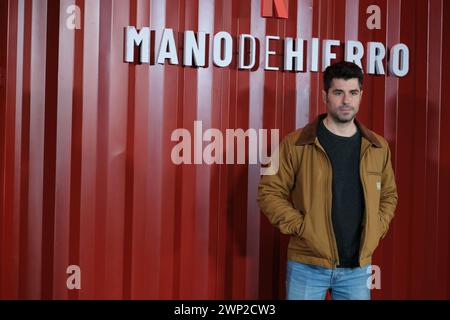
308,282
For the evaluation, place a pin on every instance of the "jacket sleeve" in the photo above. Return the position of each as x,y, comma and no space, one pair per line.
274,191
388,196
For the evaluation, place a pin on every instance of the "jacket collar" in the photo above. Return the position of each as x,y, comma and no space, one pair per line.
309,132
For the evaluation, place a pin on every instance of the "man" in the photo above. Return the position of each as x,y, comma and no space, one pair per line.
334,193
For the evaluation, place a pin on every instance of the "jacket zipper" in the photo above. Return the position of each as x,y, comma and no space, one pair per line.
366,219
330,221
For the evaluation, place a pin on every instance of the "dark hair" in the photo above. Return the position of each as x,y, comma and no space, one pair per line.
342,70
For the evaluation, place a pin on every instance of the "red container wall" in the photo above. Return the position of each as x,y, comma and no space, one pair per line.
86,176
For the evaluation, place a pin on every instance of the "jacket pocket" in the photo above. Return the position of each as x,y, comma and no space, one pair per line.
309,243
380,226
373,188
374,233
303,227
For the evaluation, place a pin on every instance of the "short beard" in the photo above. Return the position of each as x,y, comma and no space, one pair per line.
337,119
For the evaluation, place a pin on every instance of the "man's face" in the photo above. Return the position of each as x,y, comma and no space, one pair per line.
343,99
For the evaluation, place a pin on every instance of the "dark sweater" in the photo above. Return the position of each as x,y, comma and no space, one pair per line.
348,196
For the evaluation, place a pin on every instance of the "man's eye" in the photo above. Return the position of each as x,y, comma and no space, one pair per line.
354,93
338,93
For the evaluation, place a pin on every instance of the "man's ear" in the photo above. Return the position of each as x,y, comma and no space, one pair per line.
324,96
362,93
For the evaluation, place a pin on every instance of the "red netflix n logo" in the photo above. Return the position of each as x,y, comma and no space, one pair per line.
281,8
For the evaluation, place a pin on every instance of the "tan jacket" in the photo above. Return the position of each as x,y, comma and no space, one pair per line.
304,175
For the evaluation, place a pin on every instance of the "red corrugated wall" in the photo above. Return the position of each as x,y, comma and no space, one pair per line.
86,176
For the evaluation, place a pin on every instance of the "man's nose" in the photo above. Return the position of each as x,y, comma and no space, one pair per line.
347,98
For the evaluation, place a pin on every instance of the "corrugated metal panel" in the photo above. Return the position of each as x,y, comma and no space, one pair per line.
86,174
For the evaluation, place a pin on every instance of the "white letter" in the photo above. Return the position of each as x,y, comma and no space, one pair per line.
240,135
227,49
74,20
198,142
399,60
142,39
376,276
351,55
374,21
191,47
290,54
251,64
268,52
265,160
327,54
167,39
216,146
315,54
375,58
74,280
184,146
